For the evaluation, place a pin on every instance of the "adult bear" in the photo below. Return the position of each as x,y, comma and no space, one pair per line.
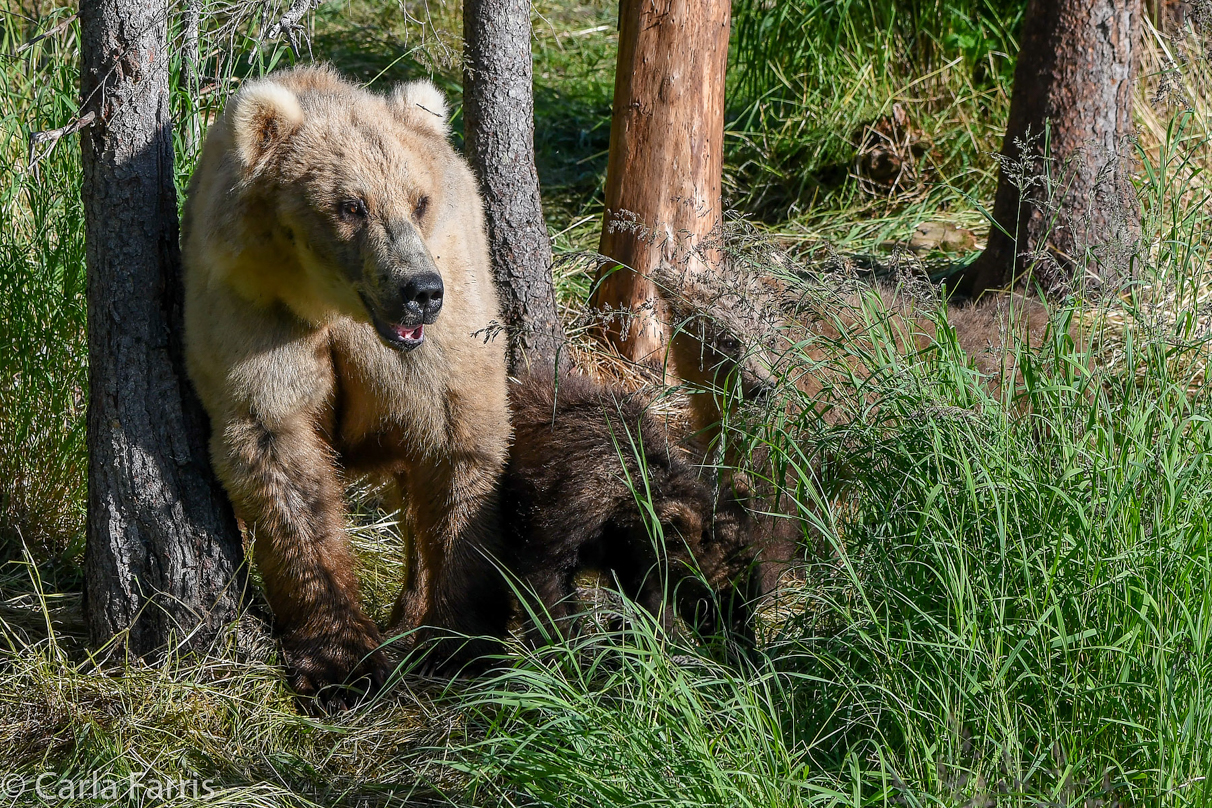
338,294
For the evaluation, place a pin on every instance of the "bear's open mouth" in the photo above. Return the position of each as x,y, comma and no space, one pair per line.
400,337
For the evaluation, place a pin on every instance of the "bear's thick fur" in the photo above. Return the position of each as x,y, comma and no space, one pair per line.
746,326
591,474
338,292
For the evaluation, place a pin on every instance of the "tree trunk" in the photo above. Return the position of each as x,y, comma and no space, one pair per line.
164,558
663,176
1069,213
191,67
498,125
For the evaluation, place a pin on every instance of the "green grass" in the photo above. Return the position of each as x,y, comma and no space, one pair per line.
42,315
808,74
1010,591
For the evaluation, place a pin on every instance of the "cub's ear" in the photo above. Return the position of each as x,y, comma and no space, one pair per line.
668,280
681,517
263,115
420,104
677,287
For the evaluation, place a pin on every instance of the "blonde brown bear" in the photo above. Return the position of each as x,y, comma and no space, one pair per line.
338,304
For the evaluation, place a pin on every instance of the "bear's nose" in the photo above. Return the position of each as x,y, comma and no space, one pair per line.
758,389
423,293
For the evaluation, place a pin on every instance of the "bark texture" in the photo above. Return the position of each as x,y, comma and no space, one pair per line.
164,558
498,121
663,176
1069,214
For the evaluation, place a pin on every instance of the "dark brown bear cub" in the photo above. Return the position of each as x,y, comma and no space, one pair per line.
593,483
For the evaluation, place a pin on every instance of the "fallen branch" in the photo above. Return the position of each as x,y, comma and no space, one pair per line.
53,136
58,29
289,24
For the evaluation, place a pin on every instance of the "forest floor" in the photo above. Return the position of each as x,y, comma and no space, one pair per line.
1008,597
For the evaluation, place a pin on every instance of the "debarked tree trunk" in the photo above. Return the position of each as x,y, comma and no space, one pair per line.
664,172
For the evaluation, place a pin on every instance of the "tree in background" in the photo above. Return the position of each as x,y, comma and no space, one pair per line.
498,123
1065,206
663,175
163,556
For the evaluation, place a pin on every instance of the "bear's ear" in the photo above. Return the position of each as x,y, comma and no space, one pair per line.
677,287
263,114
667,279
421,104
681,518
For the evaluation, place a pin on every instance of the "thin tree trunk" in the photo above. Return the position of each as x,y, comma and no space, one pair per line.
164,556
1071,214
498,121
663,176
191,67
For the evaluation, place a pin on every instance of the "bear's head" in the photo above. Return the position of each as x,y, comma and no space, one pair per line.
352,184
721,329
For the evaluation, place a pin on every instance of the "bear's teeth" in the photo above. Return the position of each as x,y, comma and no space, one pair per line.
410,333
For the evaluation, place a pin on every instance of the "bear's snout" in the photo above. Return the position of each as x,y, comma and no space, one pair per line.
422,297
402,324
758,387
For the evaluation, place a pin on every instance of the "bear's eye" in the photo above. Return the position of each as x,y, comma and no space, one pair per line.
418,212
730,345
353,209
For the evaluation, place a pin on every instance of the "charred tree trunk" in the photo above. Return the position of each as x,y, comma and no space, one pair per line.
1068,212
498,124
164,558
663,176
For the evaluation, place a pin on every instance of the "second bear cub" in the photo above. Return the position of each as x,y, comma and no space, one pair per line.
591,477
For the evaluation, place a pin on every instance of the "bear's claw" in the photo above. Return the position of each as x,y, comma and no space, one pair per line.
333,674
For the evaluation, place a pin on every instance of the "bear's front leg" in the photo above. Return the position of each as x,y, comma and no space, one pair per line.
284,485
458,601
553,612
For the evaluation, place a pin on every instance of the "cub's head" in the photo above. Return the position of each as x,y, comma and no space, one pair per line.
351,185
722,327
